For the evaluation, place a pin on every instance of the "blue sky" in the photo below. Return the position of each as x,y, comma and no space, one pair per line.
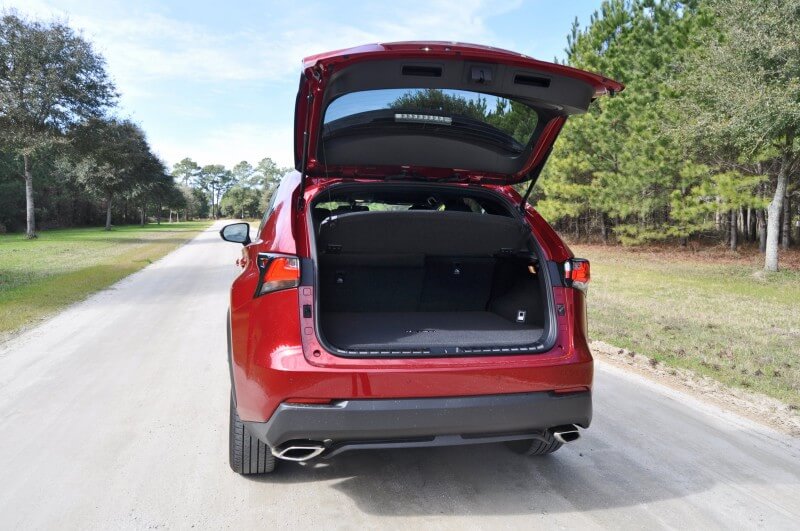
215,81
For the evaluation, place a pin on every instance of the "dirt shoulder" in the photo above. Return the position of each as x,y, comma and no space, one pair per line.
754,406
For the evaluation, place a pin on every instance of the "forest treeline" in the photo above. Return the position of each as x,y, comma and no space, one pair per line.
242,191
67,159
703,142
701,146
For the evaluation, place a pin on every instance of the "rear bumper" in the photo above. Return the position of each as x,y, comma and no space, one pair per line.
275,360
413,420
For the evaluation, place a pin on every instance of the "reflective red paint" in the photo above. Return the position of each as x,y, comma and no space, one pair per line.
277,357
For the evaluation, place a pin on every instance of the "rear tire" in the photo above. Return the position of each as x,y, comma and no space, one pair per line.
534,447
248,455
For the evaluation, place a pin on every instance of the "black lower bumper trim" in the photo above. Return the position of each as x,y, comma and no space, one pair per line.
439,440
385,420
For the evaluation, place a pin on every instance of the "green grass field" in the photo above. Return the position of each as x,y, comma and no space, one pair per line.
719,316
39,277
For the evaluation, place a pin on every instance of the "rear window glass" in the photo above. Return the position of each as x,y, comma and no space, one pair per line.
474,116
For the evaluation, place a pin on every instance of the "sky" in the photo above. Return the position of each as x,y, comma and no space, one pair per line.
216,81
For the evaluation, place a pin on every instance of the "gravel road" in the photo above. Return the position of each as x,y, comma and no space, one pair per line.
114,415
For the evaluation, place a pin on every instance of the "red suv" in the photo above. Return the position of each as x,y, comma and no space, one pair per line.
400,292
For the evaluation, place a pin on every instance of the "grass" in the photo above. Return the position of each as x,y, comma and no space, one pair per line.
720,316
41,276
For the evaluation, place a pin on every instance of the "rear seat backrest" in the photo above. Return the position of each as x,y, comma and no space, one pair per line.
429,233
412,260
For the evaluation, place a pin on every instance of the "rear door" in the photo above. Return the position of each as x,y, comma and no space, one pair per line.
438,111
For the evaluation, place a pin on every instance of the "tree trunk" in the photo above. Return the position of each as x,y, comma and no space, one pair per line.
761,228
740,219
213,204
108,212
158,215
73,209
734,230
604,227
774,215
141,222
30,217
746,224
786,235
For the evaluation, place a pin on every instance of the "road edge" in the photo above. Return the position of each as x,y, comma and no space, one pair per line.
755,407
19,336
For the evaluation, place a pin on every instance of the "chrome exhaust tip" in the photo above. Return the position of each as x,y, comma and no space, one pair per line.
566,434
298,452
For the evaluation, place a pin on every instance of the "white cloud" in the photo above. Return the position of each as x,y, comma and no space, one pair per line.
145,46
150,51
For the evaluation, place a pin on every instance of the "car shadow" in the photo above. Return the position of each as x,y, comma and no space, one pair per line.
487,479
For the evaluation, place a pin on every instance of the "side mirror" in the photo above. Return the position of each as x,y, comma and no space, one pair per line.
236,233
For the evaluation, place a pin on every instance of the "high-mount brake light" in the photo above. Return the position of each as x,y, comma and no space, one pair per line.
423,118
577,273
277,272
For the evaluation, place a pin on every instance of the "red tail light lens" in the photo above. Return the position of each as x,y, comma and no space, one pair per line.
577,273
580,271
277,273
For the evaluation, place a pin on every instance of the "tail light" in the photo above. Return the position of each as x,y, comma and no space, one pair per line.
577,273
277,272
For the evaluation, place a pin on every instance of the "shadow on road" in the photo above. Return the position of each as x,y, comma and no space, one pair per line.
489,480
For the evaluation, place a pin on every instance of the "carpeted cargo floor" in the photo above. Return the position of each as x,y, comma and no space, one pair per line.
424,329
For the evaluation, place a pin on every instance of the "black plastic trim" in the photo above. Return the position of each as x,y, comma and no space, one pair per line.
440,440
306,272
422,70
532,81
555,273
407,419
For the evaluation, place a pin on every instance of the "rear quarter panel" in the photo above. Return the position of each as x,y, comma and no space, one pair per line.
268,324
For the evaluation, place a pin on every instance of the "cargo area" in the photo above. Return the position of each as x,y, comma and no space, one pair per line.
435,275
